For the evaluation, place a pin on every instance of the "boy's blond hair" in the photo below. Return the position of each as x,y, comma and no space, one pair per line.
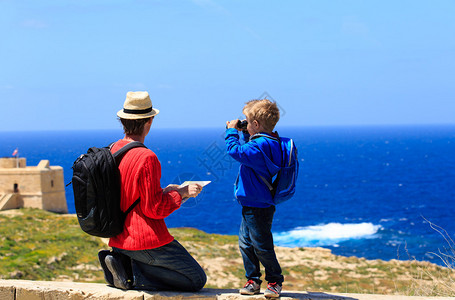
264,111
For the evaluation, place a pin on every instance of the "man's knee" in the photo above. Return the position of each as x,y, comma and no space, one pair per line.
201,282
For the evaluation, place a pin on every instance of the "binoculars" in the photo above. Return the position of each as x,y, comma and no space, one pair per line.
242,124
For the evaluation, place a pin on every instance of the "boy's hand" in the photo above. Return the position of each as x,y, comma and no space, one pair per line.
232,124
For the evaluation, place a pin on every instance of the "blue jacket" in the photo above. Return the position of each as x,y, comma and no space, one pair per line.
257,156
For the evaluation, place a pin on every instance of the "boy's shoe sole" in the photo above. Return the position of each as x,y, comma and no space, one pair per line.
272,295
246,292
119,276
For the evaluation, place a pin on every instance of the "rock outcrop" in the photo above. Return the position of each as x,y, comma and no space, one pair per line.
51,290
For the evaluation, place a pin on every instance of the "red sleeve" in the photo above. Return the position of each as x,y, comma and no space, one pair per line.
154,203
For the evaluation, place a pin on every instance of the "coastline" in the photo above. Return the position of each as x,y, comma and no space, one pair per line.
348,176
54,244
313,268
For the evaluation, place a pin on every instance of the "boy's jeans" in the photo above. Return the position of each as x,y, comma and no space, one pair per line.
169,267
256,244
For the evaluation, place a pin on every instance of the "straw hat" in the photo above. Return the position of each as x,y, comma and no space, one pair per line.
137,106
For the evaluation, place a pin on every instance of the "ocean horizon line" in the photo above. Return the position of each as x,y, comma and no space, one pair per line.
340,126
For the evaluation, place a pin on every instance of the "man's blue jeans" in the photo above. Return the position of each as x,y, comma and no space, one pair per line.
256,244
167,268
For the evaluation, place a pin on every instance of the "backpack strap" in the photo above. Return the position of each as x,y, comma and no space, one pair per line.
277,138
118,155
291,152
266,183
132,206
271,187
256,135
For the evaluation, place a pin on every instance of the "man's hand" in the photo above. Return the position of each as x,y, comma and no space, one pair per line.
193,190
190,191
232,124
171,187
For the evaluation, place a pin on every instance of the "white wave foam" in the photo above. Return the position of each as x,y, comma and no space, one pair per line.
325,234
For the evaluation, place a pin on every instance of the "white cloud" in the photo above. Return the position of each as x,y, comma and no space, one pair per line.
36,24
212,5
163,86
354,27
351,26
138,86
6,87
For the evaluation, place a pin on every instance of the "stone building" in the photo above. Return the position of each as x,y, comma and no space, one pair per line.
38,187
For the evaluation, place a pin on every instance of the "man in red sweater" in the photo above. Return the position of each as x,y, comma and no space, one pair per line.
145,255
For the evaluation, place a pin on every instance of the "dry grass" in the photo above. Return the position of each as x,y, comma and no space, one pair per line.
429,281
39,245
315,269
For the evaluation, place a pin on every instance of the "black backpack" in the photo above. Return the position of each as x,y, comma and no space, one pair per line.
96,187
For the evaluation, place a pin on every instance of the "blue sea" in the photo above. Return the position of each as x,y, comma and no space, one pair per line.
362,191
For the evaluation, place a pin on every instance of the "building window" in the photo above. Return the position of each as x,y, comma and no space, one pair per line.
16,188
52,183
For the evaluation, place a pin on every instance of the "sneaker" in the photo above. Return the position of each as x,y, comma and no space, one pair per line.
273,290
107,274
251,288
119,277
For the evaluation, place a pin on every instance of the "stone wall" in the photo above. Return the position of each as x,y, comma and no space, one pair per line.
51,290
37,187
12,162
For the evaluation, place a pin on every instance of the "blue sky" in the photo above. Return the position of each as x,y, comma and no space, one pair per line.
68,64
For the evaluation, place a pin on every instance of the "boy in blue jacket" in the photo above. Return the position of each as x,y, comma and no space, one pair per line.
259,156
